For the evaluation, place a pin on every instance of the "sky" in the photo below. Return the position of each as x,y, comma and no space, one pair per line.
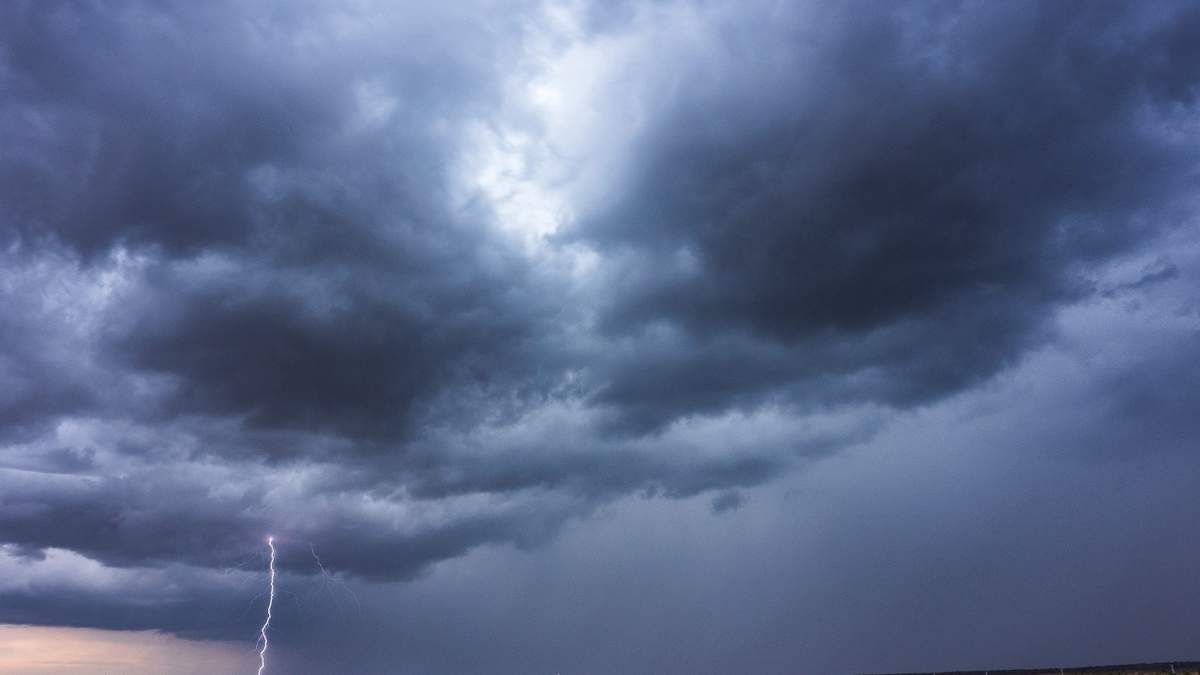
598,337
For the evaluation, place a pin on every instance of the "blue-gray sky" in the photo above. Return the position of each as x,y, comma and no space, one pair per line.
605,337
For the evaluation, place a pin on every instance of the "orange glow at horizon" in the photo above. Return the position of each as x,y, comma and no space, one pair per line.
40,650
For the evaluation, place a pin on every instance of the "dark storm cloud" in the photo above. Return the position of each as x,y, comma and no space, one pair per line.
602,471
201,613
292,274
1043,520
152,520
141,123
370,517
249,288
362,358
918,185
190,130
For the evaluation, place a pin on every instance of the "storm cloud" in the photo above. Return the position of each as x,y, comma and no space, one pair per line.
401,283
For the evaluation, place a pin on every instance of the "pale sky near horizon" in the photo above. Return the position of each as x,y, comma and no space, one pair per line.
42,650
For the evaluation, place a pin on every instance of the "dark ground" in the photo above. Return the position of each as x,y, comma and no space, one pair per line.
1176,667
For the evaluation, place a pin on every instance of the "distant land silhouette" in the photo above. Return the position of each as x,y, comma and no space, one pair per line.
1173,667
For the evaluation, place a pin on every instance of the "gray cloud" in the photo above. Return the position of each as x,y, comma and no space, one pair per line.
900,195
268,269
997,528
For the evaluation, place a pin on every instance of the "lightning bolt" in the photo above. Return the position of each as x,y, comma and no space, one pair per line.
324,572
330,578
262,632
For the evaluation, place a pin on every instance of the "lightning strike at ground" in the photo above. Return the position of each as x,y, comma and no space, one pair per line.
262,632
